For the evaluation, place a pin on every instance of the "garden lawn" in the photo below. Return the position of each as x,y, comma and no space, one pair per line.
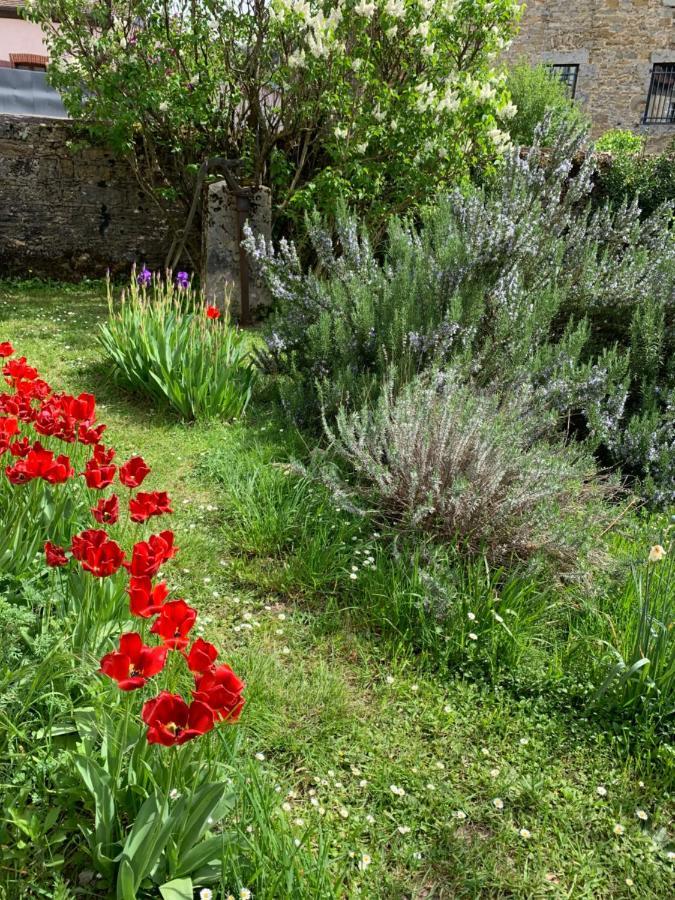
423,784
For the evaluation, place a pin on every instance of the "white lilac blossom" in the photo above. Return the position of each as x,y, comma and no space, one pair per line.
395,8
365,9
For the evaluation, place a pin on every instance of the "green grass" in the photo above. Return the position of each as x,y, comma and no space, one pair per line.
343,708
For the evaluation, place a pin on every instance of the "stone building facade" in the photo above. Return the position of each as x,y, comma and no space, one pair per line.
617,56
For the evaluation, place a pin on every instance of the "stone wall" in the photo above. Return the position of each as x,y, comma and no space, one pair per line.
615,43
67,212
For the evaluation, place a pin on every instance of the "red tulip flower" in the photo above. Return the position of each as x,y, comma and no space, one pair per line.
134,472
146,600
20,447
55,555
148,556
6,349
212,312
134,662
81,408
87,434
221,690
59,471
107,510
144,505
18,369
103,456
9,427
201,657
97,553
173,624
91,537
40,463
36,389
97,475
171,721
104,560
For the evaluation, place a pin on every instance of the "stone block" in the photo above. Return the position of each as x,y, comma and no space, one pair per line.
222,257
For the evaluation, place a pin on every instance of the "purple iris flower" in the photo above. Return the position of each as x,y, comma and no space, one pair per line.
182,280
144,277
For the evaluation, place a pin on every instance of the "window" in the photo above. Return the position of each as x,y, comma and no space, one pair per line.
660,101
31,61
568,74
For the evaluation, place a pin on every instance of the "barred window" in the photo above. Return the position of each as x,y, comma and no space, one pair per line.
568,74
660,109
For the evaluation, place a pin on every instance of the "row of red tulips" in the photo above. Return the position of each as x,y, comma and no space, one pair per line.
29,410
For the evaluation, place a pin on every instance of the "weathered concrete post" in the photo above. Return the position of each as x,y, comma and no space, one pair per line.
222,256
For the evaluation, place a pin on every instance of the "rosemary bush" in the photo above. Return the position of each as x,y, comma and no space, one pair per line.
462,466
163,345
521,282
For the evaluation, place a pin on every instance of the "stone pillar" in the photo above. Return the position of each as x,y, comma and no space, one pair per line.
221,256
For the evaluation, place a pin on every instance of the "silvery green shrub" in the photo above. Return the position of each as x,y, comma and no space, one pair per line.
467,467
520,282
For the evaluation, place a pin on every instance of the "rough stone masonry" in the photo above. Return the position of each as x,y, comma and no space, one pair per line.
67,211
615,44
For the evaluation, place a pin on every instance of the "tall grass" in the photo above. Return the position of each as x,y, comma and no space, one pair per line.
163,345
640,645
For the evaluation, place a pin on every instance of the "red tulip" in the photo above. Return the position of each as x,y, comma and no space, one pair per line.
18,369
107,510
146,600
91,537
59,471
98,476
35,388
145,505
96,552
40,463
8,428
134,662
81,408
171,721
173,624
20,447
133,472
221,690
201,657
148,556
9,404
212,312
104,560
89,435
55,555
103,456
6,349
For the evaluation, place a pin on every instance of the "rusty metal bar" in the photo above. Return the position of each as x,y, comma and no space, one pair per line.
243,208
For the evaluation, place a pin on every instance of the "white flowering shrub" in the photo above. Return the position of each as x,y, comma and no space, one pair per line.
375,100
521,282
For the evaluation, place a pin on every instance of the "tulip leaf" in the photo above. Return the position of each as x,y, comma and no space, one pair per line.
126,884
178,889
207,803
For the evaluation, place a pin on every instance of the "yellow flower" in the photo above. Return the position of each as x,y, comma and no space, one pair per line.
657,553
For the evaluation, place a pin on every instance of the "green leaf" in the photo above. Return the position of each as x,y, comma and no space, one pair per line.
208,802
126,886
207,853
147,838
99,784
178,889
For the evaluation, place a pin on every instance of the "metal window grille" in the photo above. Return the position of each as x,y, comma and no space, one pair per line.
568,74
660,108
